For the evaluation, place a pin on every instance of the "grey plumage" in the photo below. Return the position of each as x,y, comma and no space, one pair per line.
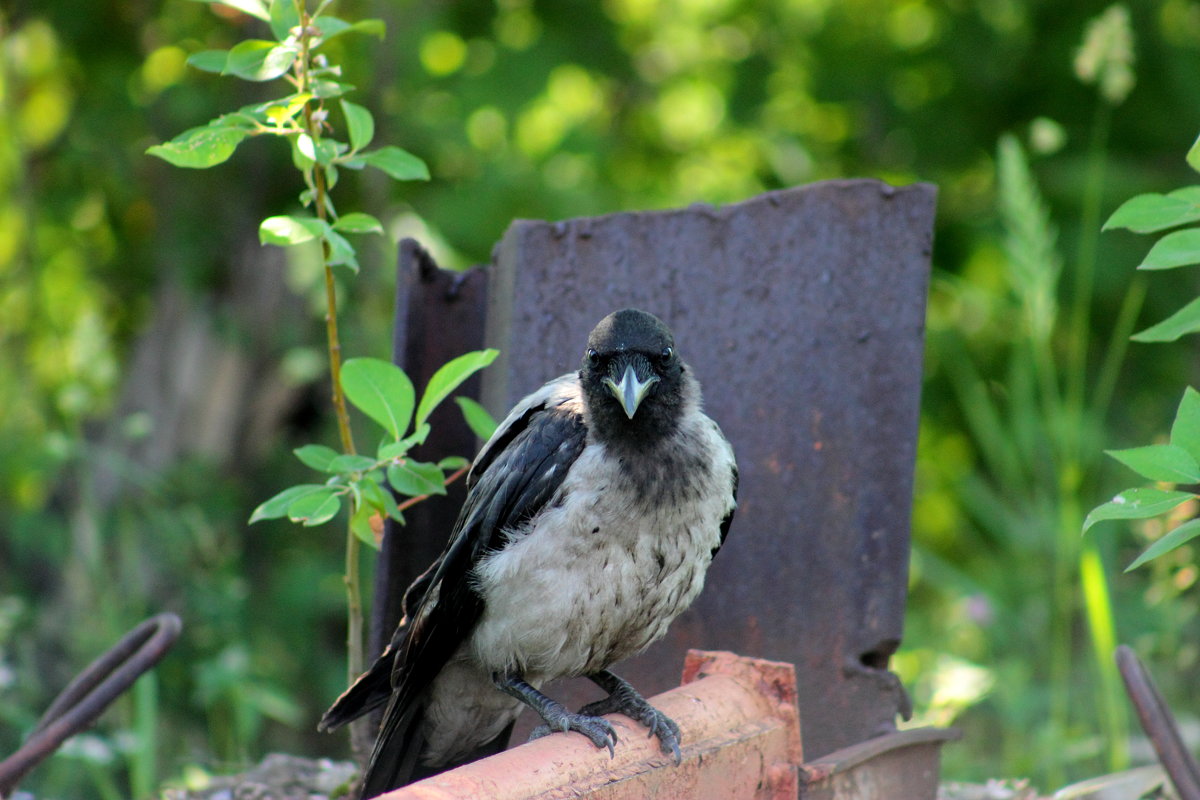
591,517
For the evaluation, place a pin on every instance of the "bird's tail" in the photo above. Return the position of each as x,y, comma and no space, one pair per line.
396,758
369,692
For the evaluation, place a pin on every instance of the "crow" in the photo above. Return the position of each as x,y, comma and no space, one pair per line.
591,517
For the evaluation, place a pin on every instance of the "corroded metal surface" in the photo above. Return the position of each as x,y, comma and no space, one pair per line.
901,764
91,692
439,315
1159,725
802,313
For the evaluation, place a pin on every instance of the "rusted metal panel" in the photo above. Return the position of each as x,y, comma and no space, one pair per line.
439,315
802,313
745,743
901,764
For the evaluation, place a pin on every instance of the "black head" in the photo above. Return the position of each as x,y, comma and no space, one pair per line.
632,377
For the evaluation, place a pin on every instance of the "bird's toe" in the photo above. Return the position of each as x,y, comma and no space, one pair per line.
600,731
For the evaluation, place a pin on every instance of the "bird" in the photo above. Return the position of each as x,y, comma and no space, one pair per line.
591,517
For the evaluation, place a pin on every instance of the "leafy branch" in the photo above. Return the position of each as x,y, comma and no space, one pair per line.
367,485
1178,461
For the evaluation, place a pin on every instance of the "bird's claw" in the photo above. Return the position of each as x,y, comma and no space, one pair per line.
600,731
635,707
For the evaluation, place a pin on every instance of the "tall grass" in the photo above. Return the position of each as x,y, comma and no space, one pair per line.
1037,443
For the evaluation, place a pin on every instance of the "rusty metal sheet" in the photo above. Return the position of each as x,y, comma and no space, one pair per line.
802,313
439,315
899,764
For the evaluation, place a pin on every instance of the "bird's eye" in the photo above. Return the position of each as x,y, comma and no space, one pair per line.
666,354
593,357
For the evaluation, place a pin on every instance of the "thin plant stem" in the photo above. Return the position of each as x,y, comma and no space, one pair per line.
351,579
1085,266
1118,344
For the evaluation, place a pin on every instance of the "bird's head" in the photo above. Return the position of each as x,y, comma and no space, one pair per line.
631,374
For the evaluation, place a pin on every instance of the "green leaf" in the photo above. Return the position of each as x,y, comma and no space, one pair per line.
360,524
400,164
1148,213
389,450
199,148
481,423
317,456
260,60
1185,430
278,505
307,148
289,230
1178,249
1136,504
255,8
359,123
1193,156
280,112
326,89
316,508
451,463
341,252
379,498
1184,321
1160,462
416,478
332,27
357,222
323,151
380,390
394,449
450,376
351,462
284,17
209,60
1177,537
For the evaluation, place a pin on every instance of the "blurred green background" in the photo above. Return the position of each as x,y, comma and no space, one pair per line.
157,365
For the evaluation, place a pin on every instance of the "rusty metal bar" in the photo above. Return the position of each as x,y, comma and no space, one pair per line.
741,740
86,697
1159,725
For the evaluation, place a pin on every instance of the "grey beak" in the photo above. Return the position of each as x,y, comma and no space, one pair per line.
631,391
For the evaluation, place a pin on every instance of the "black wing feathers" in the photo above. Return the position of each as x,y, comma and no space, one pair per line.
518,473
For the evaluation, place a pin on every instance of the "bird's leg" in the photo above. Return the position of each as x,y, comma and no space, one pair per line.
600,731
624,699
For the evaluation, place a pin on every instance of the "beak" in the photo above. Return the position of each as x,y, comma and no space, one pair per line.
631,390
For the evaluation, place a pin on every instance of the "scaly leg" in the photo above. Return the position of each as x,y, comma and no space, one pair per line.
600,731
624,699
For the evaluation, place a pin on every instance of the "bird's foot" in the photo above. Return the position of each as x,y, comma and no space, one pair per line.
557,718
599,730
624,699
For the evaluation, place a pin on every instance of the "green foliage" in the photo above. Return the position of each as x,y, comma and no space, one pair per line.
383,392
380,390
1178,461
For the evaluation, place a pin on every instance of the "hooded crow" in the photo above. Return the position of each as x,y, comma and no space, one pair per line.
591,517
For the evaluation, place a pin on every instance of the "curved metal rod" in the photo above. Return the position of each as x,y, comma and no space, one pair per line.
1159,725
86,697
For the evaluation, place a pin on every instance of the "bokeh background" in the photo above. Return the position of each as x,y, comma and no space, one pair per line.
157,365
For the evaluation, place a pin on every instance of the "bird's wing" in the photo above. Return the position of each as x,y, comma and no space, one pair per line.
728,518
516,474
